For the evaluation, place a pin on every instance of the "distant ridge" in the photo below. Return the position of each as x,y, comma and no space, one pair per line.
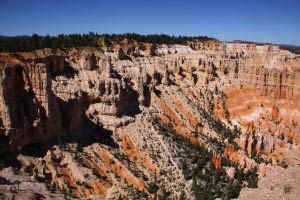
289,47
91,39
17,36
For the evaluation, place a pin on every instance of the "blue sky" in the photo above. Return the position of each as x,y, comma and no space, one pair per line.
276,21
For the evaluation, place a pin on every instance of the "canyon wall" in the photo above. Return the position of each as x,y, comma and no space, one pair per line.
124,89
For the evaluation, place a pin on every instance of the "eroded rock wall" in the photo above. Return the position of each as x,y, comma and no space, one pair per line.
202,91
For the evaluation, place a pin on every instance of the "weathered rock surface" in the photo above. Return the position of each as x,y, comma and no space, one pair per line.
113,96
279,184
22,188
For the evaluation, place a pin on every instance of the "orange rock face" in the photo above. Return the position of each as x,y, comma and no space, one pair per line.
217,162
275,113
135,154
231,154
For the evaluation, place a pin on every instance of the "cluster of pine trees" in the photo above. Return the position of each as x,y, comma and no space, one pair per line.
155,38
27,43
